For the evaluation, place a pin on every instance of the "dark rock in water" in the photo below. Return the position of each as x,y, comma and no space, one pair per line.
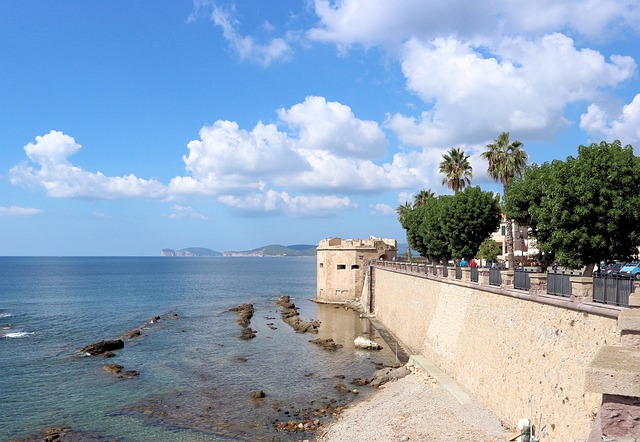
113,368
291,316
103,346
155,319
240,359
327,344
360,382
131,334
342,388
248,333
245,312
128,374
62,433
258,394
118,369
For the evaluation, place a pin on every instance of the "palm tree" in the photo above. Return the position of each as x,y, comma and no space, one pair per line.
456,169
421,198
403,213
506,161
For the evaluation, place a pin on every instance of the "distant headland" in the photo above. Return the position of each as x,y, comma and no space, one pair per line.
270,250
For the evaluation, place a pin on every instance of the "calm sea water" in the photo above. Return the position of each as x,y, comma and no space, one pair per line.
195,373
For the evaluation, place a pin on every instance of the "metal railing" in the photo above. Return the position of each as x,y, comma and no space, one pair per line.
474,274
612,289
521,280
495,277
559,284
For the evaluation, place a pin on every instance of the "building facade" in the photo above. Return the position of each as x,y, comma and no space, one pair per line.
341,265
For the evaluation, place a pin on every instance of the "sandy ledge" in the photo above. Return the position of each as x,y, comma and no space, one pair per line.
414,408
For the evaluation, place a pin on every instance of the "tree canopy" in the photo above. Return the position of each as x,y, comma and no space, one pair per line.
453,226
584,209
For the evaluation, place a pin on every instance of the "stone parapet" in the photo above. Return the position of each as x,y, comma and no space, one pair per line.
614,370
581,289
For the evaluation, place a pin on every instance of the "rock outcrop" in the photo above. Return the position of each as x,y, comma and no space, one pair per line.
291,317
102,347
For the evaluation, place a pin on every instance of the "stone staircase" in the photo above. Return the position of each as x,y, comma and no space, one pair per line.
615,373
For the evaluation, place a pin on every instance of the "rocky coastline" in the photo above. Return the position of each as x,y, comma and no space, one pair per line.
196,408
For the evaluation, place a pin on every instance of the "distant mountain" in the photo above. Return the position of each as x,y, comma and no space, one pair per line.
278,250
190,251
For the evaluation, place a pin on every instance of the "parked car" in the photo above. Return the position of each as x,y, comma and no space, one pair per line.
614,268
631,269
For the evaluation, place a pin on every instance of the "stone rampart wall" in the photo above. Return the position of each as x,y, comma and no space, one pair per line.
503,349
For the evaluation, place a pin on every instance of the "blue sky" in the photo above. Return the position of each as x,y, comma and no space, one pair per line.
132,126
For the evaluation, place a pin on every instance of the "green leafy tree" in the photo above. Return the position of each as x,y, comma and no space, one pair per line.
470,218
489,250
584,209
456,169
506,161
526,201
435,243
403,212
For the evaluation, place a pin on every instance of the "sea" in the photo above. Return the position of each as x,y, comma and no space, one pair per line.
196,375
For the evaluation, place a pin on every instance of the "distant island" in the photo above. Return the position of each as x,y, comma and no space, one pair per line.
270,250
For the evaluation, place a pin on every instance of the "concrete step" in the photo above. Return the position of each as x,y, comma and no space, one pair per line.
443,379
614,370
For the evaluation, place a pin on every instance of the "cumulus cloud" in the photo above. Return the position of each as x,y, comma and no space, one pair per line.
322,150
50,168
621,124
523,87
246,47
19,211
185,212
355,22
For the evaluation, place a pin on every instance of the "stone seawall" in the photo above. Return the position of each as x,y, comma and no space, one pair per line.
507,351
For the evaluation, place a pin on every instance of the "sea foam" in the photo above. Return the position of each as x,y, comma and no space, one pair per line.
18,334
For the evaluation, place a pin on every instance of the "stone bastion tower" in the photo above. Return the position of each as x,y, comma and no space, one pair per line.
342,266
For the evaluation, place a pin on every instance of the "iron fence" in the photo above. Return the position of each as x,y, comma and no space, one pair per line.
559,284
521,279
612,289
495,277
474,274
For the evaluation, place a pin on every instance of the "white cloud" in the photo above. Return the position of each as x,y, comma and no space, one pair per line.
332,126
271,201
353,22
185,212
523,87
382,209
245,46
61,179
19,211
614,124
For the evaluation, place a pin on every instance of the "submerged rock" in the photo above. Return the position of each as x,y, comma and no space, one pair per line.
327,344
